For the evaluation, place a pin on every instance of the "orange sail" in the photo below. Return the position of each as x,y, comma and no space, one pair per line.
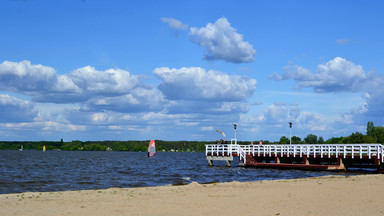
151,148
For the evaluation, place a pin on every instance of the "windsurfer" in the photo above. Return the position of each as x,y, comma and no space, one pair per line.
151,148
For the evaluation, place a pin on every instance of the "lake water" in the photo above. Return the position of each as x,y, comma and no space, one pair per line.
28,170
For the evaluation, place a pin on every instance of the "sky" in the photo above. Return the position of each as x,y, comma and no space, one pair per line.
180,70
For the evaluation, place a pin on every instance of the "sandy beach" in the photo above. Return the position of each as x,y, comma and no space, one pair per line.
331,195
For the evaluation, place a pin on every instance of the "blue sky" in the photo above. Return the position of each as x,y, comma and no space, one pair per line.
180,70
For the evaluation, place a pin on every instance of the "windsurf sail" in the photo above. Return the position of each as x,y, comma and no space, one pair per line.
151,148
221,132
44,148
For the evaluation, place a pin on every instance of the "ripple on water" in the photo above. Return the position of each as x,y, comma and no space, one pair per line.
68,170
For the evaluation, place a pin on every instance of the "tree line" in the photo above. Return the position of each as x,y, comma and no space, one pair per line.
77,145
374,134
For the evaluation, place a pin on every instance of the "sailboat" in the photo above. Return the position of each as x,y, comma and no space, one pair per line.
21,149
151,148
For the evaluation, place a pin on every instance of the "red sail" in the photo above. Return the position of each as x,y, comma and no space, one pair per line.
151,148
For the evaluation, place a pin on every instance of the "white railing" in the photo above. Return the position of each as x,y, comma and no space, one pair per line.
242,155
220,149
295,150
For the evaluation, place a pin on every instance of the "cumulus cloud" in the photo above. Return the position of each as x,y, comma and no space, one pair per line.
58,126
112,88
23,77
109,82
280,113
275,119
86,100
138,100
335,75
16,110
222,42
312,122
207,107
341,75
174,23
372,108
195,83
87,83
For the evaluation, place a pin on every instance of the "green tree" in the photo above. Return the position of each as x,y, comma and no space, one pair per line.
358,138
334,140
379,134
72,146
310,139
284,140
320,140
370,129
296,140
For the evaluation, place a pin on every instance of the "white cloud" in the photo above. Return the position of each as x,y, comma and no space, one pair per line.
16,110
336,75
23,77
372,108
195,83
281,113
114,127
95,104
174,23
57,126
340,75
99,117
65,84
312,122
232,107
108,82
222,42
138,100
207,128
112,88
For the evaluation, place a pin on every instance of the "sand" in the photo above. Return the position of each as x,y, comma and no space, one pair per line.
331,195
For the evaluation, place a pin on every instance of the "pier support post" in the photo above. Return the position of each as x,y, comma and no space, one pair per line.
305,160
210,162
340,163
381,167
228,163
277,160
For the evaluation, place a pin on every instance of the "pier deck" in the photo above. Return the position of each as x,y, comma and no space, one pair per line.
300,156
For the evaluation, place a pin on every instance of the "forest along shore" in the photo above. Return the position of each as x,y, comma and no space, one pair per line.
330,195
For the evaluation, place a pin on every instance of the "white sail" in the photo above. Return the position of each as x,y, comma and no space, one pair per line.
221,132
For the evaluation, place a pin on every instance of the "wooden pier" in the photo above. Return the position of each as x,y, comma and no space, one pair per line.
299,156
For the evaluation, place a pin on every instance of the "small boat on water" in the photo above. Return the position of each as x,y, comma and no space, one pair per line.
21,148
151,148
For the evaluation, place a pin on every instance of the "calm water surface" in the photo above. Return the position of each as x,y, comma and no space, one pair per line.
29,170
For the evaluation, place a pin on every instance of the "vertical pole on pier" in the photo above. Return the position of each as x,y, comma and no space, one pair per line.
290,133
234,126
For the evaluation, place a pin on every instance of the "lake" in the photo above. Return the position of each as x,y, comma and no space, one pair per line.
29,170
